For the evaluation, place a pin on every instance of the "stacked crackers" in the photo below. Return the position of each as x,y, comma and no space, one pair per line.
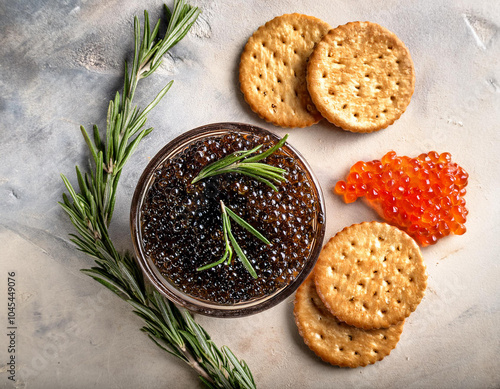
368,279
296,69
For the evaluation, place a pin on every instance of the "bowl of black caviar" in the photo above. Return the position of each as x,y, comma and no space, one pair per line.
227,220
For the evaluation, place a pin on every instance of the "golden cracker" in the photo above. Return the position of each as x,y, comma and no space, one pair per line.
361,77
371,275
336,342
272,70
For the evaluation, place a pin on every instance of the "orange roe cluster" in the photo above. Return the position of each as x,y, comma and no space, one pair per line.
423,196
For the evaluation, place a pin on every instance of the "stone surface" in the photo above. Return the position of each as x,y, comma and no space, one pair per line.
62,61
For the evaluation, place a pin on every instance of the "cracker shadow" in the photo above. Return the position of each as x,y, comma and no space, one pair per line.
301,347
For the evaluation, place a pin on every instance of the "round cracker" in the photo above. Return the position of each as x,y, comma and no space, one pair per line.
371,275
361,77
336,342
273,70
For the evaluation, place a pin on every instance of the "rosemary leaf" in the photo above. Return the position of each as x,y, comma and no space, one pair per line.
263,180
97,139
247,226
213,264
267,153
227,227
92,148
241,367
169,318
228,253
241,255
171,352
103,278
261,170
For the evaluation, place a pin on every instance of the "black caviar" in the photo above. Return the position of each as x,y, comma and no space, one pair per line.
182,223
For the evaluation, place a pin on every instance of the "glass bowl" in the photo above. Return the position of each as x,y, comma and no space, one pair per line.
189,301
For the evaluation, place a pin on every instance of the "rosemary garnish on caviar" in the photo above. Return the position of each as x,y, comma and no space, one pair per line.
242,162
91,210
231,242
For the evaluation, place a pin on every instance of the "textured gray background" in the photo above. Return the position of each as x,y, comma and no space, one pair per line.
60,63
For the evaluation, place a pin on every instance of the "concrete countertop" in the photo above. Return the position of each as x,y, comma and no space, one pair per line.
60,64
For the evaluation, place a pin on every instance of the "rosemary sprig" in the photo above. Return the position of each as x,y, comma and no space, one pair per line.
231,242
242,162
91,209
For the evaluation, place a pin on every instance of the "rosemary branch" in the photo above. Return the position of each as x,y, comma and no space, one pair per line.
91,209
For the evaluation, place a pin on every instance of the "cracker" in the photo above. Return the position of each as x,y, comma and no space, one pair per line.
361,77
273,70
336,342
371,275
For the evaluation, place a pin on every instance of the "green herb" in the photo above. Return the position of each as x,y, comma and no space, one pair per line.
241,162
229,239
91,210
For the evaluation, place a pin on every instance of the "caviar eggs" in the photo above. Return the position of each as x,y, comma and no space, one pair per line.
181,222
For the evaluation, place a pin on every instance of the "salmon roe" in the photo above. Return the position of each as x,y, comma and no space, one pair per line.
424,196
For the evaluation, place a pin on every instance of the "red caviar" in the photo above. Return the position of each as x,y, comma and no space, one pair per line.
423,195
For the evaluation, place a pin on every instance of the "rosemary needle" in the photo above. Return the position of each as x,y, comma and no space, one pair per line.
231,242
